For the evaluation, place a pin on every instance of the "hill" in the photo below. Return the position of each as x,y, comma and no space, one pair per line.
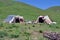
9,7
17,8
26,31
54,13
54,8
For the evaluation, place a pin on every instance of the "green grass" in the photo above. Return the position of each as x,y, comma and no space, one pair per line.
22,31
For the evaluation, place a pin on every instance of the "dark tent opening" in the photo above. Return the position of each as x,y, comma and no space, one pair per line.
21,20
17,20
41,20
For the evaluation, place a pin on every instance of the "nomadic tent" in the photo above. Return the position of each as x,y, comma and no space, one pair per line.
46,19
14,19
40,19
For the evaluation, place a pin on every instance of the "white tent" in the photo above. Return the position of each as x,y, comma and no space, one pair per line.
14,19
46,19
40,19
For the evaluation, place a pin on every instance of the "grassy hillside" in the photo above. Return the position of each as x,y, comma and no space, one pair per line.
17,8
54,8
26,31
54,13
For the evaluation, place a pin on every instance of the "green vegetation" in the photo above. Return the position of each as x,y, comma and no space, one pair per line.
22,31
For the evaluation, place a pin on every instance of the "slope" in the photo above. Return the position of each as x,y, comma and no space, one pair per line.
18,8
54,13
22,31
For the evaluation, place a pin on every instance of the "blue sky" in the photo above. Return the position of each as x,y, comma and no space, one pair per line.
43,4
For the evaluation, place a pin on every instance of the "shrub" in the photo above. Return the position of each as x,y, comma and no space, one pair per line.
2,34
1,25
13,25
40,31
29,27
33,26
53,26
26,33
14,36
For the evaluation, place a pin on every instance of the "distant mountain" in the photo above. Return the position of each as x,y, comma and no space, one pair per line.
54,8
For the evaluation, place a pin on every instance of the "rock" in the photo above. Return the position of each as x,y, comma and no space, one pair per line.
51,35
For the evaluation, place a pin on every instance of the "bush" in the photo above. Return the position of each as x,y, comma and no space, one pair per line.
12,26
2,34
1,25
14,36
27,34
33,26
53,26
40,31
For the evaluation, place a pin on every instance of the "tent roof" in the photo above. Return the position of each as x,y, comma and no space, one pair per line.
9,18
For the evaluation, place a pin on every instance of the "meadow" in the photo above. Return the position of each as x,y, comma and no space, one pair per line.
17,31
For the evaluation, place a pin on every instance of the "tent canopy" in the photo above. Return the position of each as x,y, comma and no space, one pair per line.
14,19
46,19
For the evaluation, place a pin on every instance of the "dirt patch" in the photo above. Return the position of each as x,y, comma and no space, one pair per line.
35,35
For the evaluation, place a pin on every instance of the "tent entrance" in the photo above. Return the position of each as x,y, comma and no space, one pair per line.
17,20
41,20
21,20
